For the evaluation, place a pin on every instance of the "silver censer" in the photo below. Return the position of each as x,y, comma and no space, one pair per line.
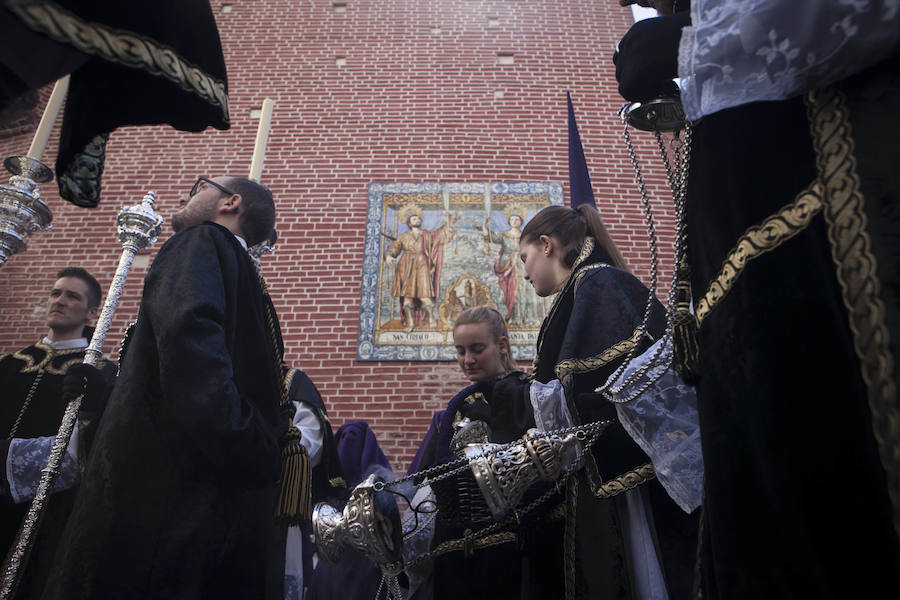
503,473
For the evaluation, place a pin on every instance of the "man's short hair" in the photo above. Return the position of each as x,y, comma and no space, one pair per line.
257,216
94,292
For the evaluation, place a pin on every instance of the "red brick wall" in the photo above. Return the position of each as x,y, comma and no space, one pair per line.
409,106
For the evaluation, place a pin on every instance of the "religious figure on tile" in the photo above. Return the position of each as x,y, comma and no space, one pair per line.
419,256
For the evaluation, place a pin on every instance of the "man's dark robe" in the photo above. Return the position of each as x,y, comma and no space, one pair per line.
178,498
42,417
587,334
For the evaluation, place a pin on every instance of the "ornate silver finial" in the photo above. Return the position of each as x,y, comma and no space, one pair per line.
21,210
264,247
139,225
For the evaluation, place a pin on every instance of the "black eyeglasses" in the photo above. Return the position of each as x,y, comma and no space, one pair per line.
201,180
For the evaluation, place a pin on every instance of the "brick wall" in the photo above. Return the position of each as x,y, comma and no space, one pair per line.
421,98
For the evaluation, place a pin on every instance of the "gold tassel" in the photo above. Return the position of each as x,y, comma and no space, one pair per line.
295,492
686,348
295,495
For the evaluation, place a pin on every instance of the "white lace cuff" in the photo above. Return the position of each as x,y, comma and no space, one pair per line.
742,51
28,457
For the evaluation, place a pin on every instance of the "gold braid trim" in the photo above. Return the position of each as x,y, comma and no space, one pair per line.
288,377
124,48
759,239
34,364
625,482
591,363
857,274
579,275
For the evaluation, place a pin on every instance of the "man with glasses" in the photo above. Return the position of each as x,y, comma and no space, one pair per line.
178,498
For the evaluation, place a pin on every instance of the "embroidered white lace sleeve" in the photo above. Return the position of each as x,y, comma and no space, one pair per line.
740,51
664,422
26,459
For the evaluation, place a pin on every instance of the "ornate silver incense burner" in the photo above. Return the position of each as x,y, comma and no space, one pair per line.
21,210
361,526
504,475
503,472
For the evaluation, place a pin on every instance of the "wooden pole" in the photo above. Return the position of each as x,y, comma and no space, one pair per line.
262,137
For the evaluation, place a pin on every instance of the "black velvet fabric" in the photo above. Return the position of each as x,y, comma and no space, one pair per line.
796,501
598,308
42,418
178,498
646,57
108,91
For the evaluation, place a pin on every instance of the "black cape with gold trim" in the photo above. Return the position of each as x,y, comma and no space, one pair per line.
796,502
587,334
18,372
132,63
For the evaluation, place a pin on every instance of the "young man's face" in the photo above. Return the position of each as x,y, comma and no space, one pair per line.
67,307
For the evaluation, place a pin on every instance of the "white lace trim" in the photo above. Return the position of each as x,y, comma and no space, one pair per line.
26,459
741,51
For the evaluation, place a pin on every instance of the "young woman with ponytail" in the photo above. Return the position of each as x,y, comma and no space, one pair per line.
622,536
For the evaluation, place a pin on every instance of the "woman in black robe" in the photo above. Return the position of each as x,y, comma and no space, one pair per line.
622,536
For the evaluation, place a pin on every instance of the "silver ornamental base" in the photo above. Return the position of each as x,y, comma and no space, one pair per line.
660,114
21,210
359,526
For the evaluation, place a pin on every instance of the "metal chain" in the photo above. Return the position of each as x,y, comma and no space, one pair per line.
677,180
486,531
26,404
607,390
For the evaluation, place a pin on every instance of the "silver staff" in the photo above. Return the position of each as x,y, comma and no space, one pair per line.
139,226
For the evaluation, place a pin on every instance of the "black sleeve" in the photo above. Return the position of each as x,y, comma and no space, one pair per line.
647,57
609,307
